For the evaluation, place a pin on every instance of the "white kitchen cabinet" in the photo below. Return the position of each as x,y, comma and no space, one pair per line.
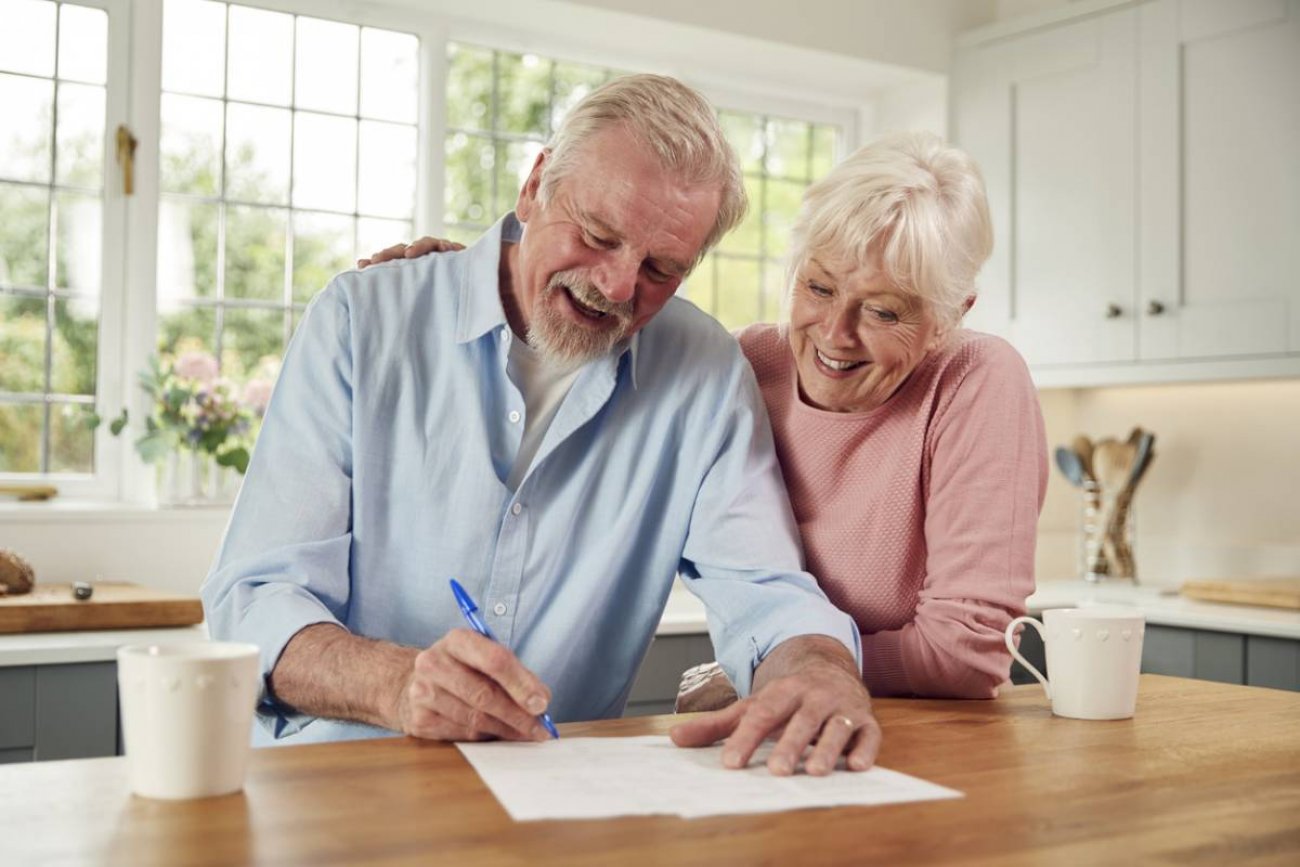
1141,166
1219,193
1049,116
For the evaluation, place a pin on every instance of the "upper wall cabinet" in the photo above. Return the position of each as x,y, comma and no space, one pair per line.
1145,187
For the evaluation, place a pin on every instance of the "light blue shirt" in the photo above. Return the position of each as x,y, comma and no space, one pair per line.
380,474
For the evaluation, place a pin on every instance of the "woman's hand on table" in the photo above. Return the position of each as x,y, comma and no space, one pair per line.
807,693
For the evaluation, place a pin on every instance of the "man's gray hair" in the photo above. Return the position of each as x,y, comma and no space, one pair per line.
910,204
677,123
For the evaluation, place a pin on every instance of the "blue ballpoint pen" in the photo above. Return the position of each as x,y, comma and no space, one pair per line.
470,610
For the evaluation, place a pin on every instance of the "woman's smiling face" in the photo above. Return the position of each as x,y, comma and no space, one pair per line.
856,336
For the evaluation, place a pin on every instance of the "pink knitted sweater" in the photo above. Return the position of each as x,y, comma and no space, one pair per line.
919,517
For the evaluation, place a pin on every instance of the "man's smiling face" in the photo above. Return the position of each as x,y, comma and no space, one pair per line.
605,253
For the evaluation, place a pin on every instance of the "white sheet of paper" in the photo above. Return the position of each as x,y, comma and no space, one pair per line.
596,778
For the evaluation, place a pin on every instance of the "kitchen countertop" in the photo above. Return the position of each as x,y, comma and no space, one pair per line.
1162,606
684,615
99,645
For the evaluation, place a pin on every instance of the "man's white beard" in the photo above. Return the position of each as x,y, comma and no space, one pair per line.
566,343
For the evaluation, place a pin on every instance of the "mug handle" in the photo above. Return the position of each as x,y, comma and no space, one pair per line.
1011,646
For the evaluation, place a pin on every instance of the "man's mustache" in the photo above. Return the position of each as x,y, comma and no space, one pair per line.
586,293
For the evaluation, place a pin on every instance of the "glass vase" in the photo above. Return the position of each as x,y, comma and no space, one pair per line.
1106,534
193,478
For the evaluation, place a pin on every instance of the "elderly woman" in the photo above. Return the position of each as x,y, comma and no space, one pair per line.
913,450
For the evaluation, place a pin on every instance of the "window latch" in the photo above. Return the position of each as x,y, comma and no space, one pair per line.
126,157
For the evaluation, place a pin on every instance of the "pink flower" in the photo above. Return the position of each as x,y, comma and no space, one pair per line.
257,394
196,365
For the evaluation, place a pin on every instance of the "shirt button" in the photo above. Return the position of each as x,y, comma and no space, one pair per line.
516,509
499,609
514,416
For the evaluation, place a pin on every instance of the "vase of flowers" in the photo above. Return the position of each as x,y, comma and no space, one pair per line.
200,429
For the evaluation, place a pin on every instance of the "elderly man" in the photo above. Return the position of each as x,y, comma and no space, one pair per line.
540,419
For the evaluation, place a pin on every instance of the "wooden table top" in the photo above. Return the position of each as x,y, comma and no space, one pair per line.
1206,773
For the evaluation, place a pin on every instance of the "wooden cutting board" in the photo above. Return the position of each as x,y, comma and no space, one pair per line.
53,608
1269,592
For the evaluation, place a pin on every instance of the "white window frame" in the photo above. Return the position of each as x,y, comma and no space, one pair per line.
127,331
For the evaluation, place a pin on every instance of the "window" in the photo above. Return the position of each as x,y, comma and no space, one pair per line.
742,281
501,109
285,143
288,144
53,92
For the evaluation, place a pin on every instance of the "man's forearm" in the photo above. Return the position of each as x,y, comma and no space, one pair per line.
327,671
793,655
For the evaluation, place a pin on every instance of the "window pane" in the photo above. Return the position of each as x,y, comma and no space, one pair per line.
572,84
25,126
76,336
783,198
190,145
248,338
72,440
466,235
514,161
745,132
748,236
823,150
739,301
261,56
257,153
23,235
375,234
387,163
523,94
469,87
322,247
324,162
27,39
325,72
699,286
468,193
787,152
255,242
79,236
22,344
187,251
20,438
79,141
774,288
194,43
83,44
186,329
390,66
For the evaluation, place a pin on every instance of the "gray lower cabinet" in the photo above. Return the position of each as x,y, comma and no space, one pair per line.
1226,657
655,688
58,711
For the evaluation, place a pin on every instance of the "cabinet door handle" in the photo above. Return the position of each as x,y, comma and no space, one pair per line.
1155,308
1114,311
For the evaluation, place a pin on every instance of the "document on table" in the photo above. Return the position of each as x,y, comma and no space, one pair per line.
595,778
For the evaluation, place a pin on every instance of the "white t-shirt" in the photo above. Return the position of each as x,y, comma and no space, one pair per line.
543,386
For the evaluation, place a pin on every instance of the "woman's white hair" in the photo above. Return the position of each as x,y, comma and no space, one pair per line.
909,204
674,121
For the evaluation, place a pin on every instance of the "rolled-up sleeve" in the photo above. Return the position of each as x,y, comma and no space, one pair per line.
283,564
742,557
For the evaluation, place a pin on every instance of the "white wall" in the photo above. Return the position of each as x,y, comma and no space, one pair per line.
1221,498
915,33
167,548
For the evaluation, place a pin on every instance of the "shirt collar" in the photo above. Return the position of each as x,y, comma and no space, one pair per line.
480,290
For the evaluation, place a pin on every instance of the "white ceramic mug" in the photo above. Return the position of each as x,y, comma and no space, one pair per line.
1094,656
187,713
